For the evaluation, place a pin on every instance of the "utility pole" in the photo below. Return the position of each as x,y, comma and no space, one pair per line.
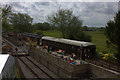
118,6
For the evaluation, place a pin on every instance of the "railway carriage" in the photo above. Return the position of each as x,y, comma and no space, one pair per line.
81,49
29,36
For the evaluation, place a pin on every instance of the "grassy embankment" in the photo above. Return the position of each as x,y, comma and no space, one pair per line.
98,38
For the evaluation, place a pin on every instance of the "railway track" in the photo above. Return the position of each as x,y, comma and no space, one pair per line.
8,42
38,72
35,69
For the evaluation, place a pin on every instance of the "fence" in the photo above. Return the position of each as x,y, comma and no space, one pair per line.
105,64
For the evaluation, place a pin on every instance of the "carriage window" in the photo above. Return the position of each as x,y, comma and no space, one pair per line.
89,50
61,45
72,47
78,49
64,46
67,46
84,50
58,44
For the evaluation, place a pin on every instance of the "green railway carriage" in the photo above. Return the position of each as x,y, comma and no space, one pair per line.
82,49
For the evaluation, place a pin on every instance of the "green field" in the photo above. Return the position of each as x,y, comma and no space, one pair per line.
98,38
53,33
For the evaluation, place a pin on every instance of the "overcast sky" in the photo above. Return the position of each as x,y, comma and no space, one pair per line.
92,13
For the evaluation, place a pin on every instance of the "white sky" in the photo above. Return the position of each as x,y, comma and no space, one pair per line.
93,13
59,0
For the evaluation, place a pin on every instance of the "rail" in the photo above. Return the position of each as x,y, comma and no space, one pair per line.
35,65
105,64
39,67
13,41
29,68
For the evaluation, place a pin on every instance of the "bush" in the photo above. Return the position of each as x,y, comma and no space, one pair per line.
105,56
109,57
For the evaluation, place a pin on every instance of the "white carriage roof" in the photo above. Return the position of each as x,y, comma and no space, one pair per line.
3,59
68,41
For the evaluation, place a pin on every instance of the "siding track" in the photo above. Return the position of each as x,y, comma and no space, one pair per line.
35,69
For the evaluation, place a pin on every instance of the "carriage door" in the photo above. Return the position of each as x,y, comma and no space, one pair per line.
83,53
38,41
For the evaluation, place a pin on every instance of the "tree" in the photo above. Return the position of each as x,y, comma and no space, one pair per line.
6,12
42,26
21,22
61,19
113,34
68,24
85,28
39,32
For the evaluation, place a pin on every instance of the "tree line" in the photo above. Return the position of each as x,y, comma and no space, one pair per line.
63,20
112,32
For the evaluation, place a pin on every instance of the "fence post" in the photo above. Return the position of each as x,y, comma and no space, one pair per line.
102,63
109,65
118,68
95,62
